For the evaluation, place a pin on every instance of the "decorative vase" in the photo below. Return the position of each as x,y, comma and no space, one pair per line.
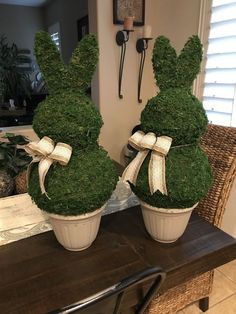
164,224
76,233
6,184
21,182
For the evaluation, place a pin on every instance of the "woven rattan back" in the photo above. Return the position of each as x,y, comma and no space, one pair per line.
219,143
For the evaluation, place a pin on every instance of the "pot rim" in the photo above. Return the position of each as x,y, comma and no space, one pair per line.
76,217
167,210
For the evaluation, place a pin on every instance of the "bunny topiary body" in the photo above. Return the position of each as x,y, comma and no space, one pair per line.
69,116
176,113
82,186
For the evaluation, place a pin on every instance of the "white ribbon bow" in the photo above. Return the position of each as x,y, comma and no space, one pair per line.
46,154
160,147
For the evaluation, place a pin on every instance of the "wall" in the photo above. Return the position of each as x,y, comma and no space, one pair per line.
66,13
119,115
177,20
19,24
93,26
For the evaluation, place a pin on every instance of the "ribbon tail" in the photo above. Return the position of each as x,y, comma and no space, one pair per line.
131,172
43,168
156,174
34,160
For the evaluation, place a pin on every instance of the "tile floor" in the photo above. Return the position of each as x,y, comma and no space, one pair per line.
223,296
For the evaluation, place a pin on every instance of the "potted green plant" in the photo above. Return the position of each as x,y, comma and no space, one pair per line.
15,81
171,173
13,164
73,193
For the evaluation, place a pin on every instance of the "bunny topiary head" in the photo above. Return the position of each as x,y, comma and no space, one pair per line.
73,117
175,111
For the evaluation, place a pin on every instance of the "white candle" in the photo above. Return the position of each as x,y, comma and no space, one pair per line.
147,31
128,23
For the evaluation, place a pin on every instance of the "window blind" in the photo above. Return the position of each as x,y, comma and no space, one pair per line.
219,96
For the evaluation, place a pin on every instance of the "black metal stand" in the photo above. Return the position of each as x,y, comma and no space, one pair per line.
121,39
141,47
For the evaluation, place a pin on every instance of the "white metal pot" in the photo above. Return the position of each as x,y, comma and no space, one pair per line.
76,233
163,224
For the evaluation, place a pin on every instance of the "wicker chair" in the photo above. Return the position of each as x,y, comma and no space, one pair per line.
220,145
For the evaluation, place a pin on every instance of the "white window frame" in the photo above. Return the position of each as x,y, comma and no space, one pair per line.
53,29
203,33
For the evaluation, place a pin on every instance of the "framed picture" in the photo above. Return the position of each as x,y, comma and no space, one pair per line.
82,27
123,8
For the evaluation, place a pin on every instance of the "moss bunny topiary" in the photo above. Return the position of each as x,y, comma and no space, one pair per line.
177,113
69,116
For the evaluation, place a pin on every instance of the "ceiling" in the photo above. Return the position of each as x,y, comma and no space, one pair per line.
31,3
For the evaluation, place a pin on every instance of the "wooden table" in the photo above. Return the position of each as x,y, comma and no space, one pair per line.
37,275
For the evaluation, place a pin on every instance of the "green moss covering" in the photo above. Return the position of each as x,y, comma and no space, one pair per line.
164,61
171,71
58,76
83,62
84,185
189,60
188,177
70,117
176,113
50,63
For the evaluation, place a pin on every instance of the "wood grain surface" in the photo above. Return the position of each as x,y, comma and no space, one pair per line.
38,275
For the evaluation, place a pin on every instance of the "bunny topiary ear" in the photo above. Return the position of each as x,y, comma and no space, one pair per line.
164,62
83,62
189,62
49,61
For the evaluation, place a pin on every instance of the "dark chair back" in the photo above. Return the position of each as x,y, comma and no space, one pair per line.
156,274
